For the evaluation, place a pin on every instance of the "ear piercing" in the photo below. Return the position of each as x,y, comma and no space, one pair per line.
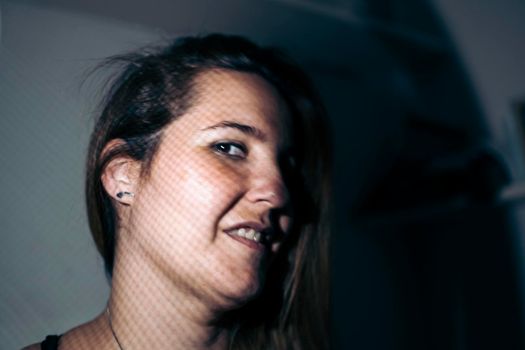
122,194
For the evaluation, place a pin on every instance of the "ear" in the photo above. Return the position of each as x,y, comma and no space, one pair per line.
121,175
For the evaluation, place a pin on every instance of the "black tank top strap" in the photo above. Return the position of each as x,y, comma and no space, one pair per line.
51,342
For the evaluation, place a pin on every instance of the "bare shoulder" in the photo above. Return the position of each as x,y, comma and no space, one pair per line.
91,335
35,346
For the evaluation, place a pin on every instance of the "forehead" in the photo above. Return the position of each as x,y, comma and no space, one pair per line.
246,98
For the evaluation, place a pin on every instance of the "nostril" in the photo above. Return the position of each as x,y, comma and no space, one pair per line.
269,189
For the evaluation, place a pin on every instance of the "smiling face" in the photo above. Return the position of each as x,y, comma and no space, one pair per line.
214,207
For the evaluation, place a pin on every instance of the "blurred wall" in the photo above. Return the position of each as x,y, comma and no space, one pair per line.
489,37
51,275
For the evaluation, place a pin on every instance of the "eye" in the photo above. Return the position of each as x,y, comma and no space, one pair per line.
292,162
231,149
288,160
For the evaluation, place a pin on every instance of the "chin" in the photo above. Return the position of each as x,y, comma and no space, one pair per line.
236,295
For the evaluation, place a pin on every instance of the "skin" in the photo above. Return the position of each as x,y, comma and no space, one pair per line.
176,269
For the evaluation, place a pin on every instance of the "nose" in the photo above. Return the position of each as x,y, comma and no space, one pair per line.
268,186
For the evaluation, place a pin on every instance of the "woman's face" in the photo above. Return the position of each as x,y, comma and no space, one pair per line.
215,178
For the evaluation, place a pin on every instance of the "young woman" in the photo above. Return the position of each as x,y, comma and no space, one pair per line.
207,191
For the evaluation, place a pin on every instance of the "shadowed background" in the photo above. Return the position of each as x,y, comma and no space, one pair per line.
426,102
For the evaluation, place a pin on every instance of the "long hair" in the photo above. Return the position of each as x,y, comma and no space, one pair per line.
153,88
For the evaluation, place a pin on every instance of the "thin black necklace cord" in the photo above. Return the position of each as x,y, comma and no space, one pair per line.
112,330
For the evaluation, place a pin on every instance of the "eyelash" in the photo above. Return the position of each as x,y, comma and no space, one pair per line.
220,148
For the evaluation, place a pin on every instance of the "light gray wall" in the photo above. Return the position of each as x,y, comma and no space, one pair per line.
51,275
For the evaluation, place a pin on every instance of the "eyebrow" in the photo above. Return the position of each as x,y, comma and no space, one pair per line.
246,129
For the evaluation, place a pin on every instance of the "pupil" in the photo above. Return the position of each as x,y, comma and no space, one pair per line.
223,147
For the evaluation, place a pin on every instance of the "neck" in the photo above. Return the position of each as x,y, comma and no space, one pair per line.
149,310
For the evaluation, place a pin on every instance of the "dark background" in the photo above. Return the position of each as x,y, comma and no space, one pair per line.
427,105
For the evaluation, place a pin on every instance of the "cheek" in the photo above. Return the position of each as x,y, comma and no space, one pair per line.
179,208
285,223
195,189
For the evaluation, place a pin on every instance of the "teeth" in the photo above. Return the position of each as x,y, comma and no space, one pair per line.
249,233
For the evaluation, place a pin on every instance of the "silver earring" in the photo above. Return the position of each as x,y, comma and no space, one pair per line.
122,194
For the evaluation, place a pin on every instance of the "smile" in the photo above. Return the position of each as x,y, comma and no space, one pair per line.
252,235
248,233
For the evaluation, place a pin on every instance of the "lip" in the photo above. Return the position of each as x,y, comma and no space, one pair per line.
249,242
249,224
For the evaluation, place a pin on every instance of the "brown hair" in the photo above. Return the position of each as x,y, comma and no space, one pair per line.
154,88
